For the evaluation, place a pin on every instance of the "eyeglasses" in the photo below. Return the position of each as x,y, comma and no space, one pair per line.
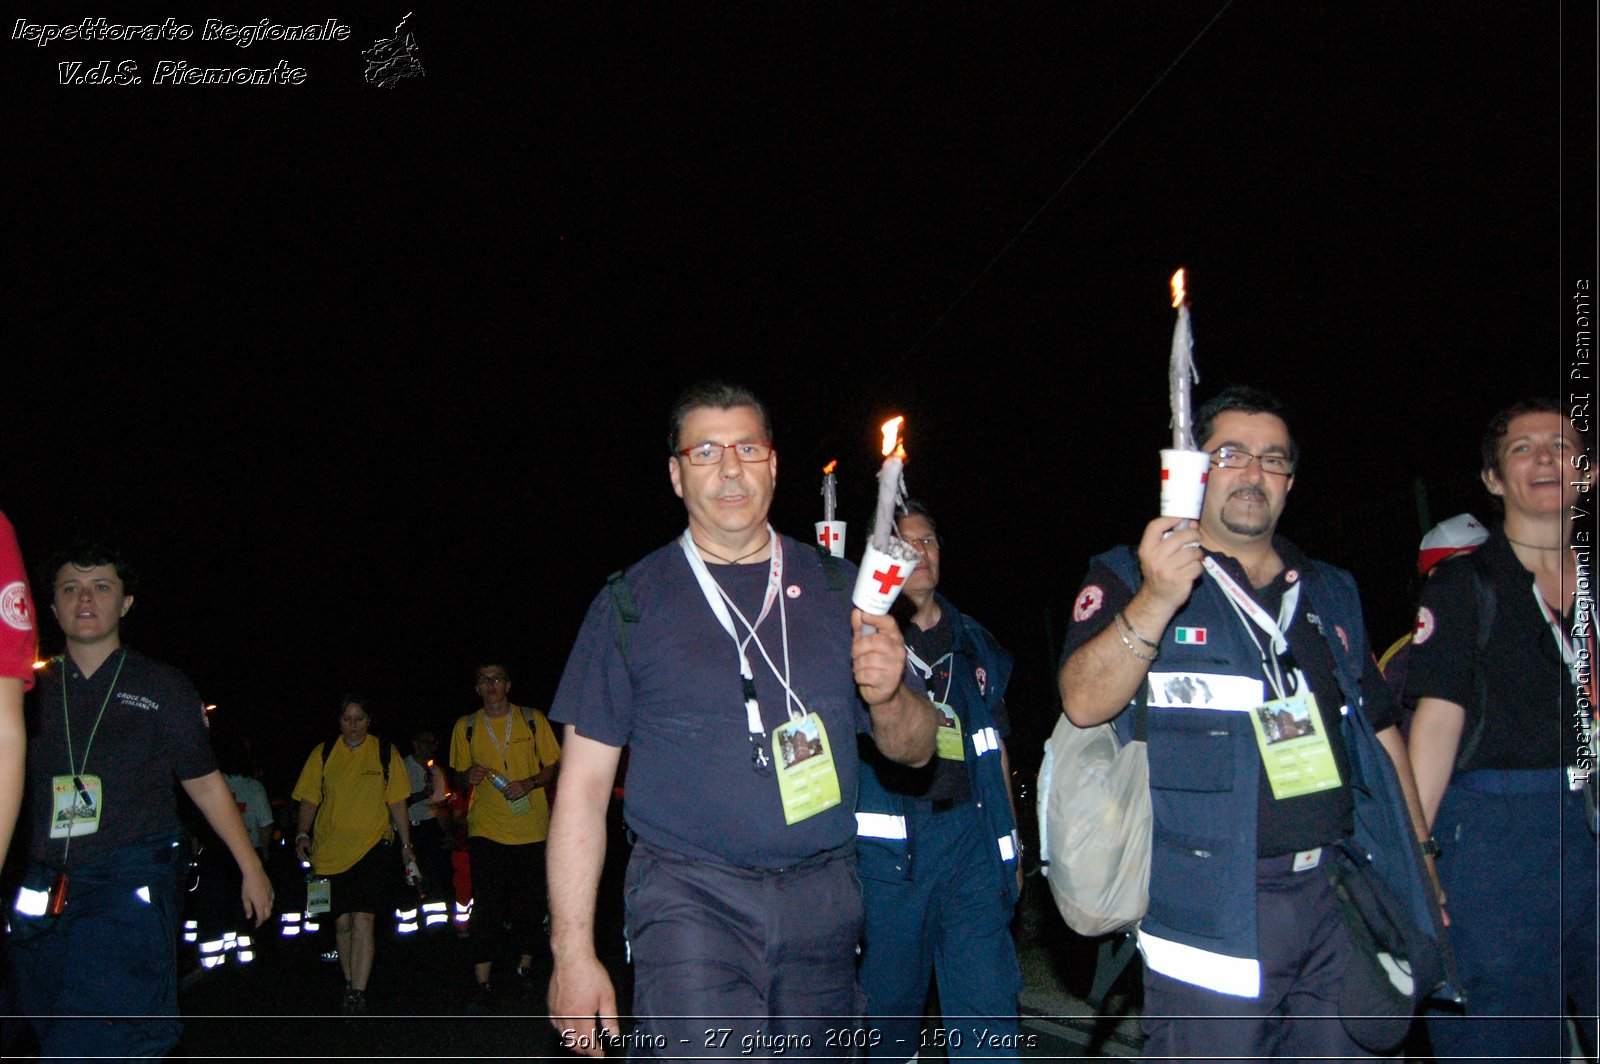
491,681
1239,458
926,543
709,453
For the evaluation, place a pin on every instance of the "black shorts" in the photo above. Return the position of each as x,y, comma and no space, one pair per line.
368,885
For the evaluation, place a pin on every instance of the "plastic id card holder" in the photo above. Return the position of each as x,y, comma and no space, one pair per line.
75,805
1293,740
807,780
948,738
319,895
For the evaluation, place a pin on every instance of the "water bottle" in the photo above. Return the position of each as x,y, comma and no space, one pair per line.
519,805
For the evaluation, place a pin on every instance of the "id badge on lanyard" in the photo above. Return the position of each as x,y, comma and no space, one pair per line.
75,805
1291,733
1293,740
948,742
808,782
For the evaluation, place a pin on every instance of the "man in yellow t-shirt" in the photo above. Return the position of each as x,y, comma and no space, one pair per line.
508,754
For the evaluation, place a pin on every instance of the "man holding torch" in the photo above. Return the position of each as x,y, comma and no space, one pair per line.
731,665
1224,631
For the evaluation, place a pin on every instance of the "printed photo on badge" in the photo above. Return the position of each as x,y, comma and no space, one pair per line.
1282,724
798,741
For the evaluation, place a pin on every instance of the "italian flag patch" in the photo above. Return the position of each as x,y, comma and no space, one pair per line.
1191,635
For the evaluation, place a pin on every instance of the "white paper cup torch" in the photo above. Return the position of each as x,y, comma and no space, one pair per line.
1183,482
830,537
882,576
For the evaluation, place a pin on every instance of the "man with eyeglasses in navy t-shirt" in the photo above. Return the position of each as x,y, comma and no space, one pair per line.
732,666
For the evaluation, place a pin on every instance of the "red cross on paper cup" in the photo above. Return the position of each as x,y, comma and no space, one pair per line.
1183,482
882,575
888,579
830,537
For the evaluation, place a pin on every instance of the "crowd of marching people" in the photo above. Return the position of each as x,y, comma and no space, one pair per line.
819,814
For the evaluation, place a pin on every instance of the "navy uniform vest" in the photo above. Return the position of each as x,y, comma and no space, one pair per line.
1204,782
886,843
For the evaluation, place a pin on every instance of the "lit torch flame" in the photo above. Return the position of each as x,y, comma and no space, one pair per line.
891,438
1181,372
827,470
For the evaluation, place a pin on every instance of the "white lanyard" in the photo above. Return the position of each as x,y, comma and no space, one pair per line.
721,604
488,726
1569,653
927,671
1277,628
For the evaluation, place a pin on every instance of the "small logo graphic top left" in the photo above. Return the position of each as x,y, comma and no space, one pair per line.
391,60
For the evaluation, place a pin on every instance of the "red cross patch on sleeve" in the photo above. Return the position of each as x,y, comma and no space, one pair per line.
1424,626
1088,602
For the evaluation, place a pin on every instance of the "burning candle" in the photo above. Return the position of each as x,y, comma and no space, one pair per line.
830,533
1184,467
887,561
891,483
1181,372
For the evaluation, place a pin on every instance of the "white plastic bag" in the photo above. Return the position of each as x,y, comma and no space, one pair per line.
1094,827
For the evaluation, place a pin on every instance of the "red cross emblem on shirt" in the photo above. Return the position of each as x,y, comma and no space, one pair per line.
888,580
826,537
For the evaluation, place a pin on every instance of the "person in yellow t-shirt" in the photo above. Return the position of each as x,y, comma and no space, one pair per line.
347,803
509,755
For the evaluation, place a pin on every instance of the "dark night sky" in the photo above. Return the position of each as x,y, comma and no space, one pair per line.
373,381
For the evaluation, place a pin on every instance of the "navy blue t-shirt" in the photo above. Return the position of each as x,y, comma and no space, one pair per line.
153,732
677,702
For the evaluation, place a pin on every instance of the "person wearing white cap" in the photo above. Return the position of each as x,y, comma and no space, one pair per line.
1461,534
1502,678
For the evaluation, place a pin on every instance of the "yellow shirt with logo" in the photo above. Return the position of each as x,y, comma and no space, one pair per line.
352,802
529,751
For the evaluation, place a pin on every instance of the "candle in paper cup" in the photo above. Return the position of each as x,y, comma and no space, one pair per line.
891,484
887,561
830,537
830,533
1184,468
